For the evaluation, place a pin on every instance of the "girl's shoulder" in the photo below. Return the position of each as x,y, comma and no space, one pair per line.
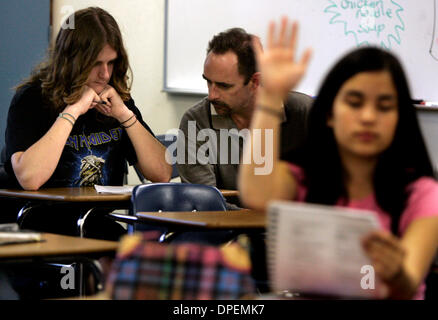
422,201
423,187
423,193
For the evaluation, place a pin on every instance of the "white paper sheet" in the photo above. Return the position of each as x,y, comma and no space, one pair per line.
316,249
114,189
19,237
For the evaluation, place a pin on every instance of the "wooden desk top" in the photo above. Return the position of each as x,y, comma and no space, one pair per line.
56,245
83,194
235,219
74,194
229,193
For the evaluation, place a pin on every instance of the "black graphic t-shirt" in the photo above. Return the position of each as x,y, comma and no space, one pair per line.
95,152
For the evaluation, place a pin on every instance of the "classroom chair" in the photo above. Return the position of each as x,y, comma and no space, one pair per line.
158,197
177,197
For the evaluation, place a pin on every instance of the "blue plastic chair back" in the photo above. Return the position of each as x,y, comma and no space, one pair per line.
179,197
176,197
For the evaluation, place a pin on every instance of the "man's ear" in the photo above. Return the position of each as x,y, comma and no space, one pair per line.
255,80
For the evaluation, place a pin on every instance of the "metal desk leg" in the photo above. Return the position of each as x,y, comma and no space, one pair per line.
81,222
94,264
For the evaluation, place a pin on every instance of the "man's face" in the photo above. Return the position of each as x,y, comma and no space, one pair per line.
102,70
226,86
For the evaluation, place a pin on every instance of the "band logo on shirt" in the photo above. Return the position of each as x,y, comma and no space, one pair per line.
94,139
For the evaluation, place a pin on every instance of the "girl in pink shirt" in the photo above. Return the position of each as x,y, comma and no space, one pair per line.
364,150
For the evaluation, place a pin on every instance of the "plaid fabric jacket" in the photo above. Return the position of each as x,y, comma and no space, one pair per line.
146,269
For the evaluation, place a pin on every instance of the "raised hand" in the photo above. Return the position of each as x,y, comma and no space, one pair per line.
280,70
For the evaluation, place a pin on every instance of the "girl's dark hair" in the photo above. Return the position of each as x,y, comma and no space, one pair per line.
404,161
65,72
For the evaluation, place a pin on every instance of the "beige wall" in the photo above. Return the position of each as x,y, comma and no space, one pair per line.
142,26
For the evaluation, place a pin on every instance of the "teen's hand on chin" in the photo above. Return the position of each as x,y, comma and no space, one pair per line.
114,106
85,103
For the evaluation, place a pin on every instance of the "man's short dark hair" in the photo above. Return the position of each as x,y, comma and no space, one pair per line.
238,41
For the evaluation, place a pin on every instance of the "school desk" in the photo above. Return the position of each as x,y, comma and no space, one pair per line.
55,248
242,220
88,196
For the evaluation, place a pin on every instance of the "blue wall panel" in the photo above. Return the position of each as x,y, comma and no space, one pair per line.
24,38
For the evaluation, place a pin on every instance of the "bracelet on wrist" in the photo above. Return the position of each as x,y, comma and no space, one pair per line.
133,115
63,116
68,114
130,125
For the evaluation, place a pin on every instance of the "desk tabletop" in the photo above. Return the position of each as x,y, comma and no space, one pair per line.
233,219
229,193
72,194
77,194
57,245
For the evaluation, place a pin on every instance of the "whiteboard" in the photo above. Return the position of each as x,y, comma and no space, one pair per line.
428,120
330,27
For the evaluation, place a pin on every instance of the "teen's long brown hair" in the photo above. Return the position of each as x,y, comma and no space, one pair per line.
64,74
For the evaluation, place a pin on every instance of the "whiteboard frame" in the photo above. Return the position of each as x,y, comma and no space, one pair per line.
166,88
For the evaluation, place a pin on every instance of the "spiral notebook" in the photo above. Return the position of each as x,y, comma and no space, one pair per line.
315,250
